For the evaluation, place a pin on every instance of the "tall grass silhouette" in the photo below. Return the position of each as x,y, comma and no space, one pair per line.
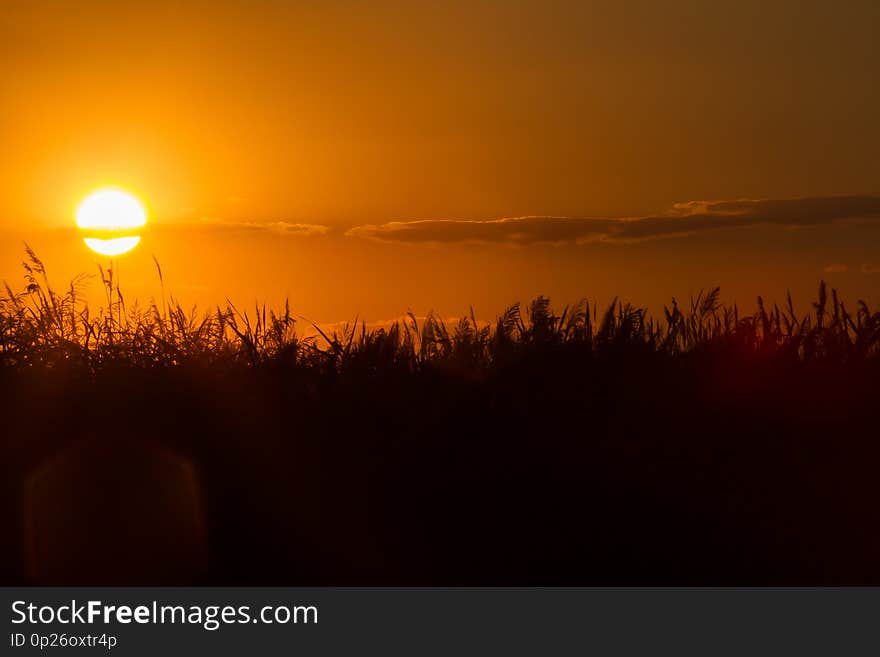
40,326
587,445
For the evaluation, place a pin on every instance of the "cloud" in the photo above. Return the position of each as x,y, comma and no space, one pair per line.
864,268
519,230
280,227
682,219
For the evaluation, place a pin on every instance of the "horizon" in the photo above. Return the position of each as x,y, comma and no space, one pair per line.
384,280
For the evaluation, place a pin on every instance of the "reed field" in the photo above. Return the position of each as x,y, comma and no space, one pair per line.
707,444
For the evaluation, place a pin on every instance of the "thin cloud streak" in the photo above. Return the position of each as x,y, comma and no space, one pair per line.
682,219
280,227
864,268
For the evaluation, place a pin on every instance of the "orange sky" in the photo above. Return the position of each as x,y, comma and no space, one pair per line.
225,116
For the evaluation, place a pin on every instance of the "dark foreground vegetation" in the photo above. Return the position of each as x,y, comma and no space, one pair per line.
708,446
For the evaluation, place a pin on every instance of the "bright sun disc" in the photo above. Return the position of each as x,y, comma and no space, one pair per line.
111,219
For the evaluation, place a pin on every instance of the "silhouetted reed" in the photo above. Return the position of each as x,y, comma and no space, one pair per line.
39,326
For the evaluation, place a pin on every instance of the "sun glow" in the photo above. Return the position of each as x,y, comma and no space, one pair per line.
111,218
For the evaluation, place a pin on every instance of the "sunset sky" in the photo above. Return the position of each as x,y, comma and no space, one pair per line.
370,157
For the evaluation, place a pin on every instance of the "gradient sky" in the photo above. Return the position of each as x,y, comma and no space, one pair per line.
286,147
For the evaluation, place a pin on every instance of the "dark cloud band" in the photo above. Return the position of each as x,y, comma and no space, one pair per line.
682,219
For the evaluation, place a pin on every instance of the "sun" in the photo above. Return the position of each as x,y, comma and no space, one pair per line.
111,219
